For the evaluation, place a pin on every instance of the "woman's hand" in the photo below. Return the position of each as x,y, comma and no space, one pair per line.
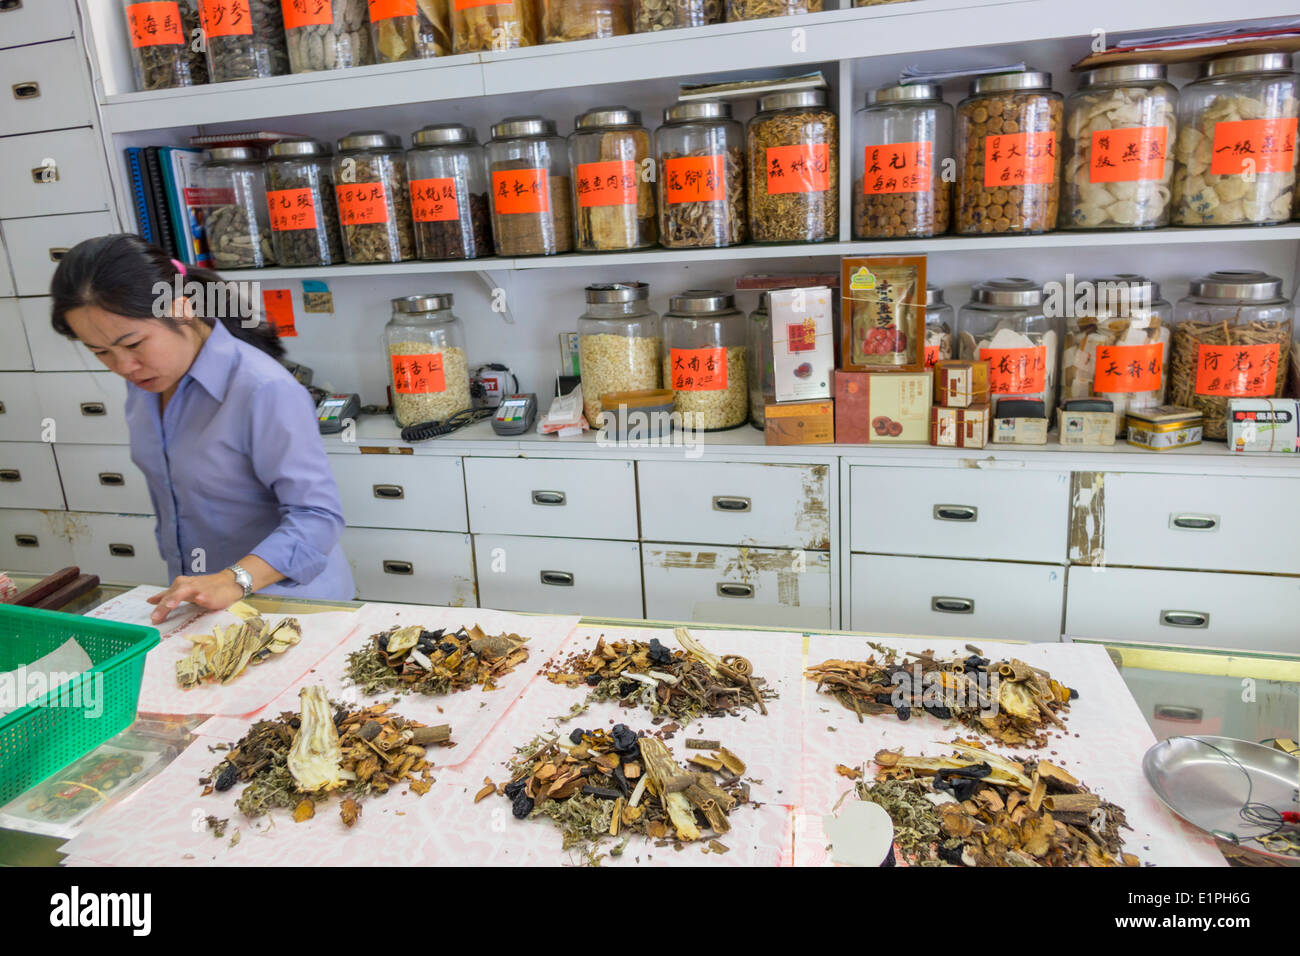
214,592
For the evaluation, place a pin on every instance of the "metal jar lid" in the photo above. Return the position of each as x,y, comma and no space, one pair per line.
514,127
443,134
290,148
1227,284
1011,291
908,93
616,292
701,302
430,302
369,139
234,154
1127,73
698,110
933,295
608,116
791,100
1129,286
1250,63
1010,82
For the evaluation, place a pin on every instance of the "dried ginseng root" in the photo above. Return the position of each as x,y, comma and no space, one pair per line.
1010,701
223,655
405,659
682,685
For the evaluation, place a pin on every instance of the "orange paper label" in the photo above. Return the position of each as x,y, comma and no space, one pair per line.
898,168
278,306
362,203
434,200
387,9
155,24
931,356
1129,368
418,374
696,178
226,18
1016,159
520,190
306,13
291,209
1268,143
1016,371
1127,155
798,169
1236,371
699,370
610,183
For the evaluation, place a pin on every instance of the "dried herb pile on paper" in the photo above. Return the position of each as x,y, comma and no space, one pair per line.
223,655
1009,700
678,684
405,659
296,760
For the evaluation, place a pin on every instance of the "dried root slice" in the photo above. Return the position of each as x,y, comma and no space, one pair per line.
663,771
316,758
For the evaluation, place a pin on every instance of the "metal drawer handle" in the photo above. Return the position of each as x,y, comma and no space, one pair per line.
27,91
2,408
1194,522
735,590
45,174
112,478
391,492
26,541
10,474
122,550
732,503
58,252
552,498
952,605
559,579
399,567
1176,712
93,408
7,5
956,513
1184,619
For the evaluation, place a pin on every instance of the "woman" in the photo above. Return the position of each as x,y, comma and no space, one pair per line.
226,438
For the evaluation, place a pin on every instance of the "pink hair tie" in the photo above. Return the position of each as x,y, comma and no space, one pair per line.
180,266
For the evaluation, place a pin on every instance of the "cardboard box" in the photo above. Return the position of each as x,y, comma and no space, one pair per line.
1164,427
898,407
882,313
1085,428
803,343
960,384
800,423
852,423
1263,425
960,427
1020,431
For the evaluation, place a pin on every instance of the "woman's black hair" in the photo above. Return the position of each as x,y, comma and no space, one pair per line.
122,273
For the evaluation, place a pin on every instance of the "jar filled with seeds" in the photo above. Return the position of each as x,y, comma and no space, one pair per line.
701,152
564,20
410,29
1004,324
1236,155
374,198
705,363
477,27
1232,339
762,373
619,344
760,9
244,38
654,15
613,181
532,199
232,196
302,203
327,34
901,139
162,44
1009,148
939,326
794,169
449,193
1118,156
426,360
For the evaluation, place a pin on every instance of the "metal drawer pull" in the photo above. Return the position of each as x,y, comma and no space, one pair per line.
10,474
111,478
552,498
559,579
45,174
93,408
952,605
735,590
1176,712
7,5
391,492
399,567
26,541
27,91
1194,522
955,513
1184,619
731,503
2,408
122,550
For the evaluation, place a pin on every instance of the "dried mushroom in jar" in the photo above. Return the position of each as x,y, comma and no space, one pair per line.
327,35
704,222
162,47
496,26
794,169
245,39
374,199
655,15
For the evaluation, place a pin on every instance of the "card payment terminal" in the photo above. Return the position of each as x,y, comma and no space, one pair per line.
515,414
334,410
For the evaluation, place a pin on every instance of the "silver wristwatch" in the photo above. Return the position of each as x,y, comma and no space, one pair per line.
242,578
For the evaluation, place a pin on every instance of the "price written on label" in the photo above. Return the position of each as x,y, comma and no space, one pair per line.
1128,155
434,200
1018,159
362,204
696,179
699,370
611,183
520,191
387,9
291,209
801,336
226,18
898,168
1129,368
798,169
278,306
1016,371
155,24
1237,371
418,374
1268,143
307,13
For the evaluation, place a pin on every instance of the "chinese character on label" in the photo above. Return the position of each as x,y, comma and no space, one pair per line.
1237,371
610,183
1017,159
699,370
898,168
695,179
520,191
418,374
1128,155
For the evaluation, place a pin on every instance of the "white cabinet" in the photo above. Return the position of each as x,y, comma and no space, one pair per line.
52,352
416,567
14,354
416,492
37,244
121,549
102,478
29,477
86,407
43,86
46,174
572,498
34,21
20,407
34,542
559,575
6,280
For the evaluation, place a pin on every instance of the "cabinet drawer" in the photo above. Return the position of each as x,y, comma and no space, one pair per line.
559,575
35,245
762,586
34,542
28,476
102,478
1202,522
87,407
20,407
52,352
44,87
735,503
6,280
416,567
46,174
572,498
14,354
401,491
960,512
121,549
1240,611
984,599
34,21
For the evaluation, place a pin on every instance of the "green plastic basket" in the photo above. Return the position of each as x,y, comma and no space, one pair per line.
68,721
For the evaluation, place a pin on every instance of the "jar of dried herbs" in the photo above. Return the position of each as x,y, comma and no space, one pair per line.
939,326
762,371
327,34
302,204
162,44
1232,339
532,199
613,181
564,20
427,368
760,9
1005,324
794,169
619,344
900,139
478,27
244,39
705,361
449,193
410,29
701,157
374,198
654,15
232,196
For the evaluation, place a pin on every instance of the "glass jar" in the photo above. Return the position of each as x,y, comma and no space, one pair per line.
650,16
374,198
1117,344
244,39
327,35
794,169
939,325
1232,339
762,374
477,27
1118,155
704,359
427,368
701,155
232,197
619,344
302,203
760,9
899,138
162,36
449,193
1009,148
1236,142
532,200
564,20
615,200
1004,324
409,29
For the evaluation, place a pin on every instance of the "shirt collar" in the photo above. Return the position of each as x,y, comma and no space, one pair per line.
215,363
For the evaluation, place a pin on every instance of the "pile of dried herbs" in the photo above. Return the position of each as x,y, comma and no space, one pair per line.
405,659
1009,700
223,655
682,685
